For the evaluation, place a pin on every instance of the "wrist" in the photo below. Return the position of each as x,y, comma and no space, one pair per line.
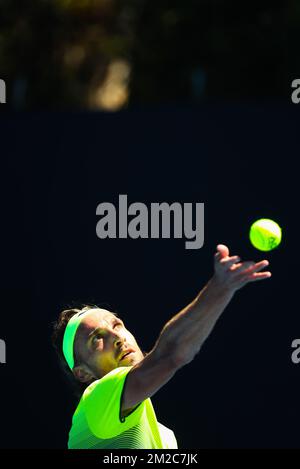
220,287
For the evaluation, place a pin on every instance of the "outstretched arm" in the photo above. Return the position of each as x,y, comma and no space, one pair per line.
182,337
188,330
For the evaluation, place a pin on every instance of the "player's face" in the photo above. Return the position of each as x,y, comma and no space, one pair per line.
101,341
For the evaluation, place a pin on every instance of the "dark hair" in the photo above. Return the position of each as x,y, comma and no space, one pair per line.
59,328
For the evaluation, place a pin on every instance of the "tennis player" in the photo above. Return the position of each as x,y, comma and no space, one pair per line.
117,379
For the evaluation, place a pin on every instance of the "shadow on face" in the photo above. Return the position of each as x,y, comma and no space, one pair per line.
101,342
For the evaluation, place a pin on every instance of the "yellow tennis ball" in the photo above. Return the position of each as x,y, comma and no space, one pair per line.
265,234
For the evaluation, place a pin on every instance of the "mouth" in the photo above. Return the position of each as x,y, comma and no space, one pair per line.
126,353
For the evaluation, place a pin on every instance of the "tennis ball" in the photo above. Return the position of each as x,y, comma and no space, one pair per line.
265,234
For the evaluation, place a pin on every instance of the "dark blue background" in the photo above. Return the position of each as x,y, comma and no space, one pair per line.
242,390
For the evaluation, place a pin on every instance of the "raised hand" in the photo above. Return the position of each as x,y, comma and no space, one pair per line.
232,274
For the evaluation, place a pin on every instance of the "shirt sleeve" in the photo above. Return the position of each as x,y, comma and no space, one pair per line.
102,405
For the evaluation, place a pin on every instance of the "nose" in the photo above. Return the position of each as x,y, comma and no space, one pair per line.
118,340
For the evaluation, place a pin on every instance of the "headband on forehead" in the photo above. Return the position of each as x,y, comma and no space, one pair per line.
69,337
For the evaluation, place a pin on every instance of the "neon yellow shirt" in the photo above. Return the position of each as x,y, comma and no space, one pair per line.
97,422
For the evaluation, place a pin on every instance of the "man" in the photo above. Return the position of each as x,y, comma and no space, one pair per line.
115,409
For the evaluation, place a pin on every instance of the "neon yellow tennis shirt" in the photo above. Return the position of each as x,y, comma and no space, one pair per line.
97,422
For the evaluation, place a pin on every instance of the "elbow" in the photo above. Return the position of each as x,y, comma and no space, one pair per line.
175,352
183,355
182,358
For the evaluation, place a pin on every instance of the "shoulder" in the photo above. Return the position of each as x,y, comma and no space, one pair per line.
113,378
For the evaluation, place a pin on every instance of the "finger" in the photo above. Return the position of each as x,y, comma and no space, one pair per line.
259,276
229,261
255,278
223,250
217,256
243,266
258,266
236,266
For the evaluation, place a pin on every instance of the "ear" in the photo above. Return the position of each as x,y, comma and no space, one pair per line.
83,374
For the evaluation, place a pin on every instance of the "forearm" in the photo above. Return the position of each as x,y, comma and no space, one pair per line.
186,331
